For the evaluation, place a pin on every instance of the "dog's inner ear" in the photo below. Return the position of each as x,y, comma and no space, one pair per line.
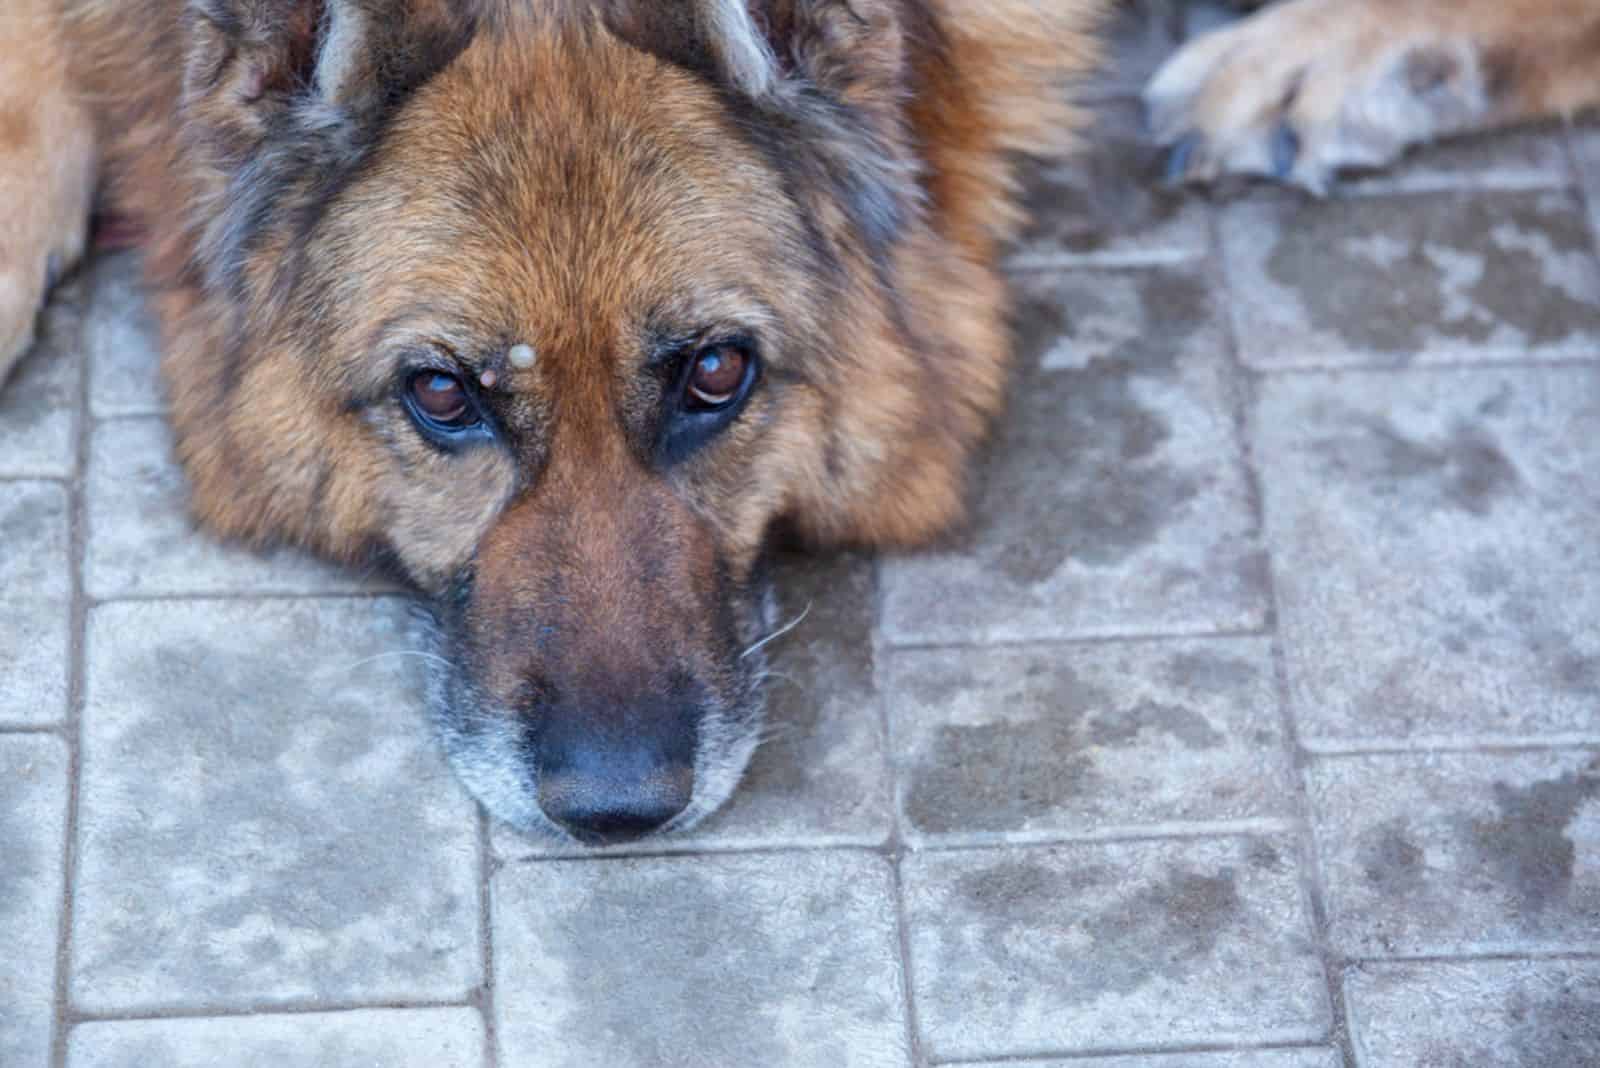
766,48
248,59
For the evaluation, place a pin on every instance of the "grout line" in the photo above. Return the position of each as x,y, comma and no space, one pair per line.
72,728
1509,956
894,850
1429,365
1310,874
486,993
1224,634
247,595
1177,1050
264,1008
1487,746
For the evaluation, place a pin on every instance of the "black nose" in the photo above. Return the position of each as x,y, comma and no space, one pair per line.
610,812
610,773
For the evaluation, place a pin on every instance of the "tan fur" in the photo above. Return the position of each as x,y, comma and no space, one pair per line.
47,167
1355,83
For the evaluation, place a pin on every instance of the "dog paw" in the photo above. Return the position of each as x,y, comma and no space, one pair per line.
24,288
1310,88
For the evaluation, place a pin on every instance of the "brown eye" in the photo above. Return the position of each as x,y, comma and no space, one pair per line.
442,399
718,374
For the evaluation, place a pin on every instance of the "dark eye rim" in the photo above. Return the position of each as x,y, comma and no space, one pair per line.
692,406
452,434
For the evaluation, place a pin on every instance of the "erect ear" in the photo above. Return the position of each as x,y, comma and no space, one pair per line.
259,65
851,50
831,74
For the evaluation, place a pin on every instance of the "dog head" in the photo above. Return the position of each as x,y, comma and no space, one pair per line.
560,311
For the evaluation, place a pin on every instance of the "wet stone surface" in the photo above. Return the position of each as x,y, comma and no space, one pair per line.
1511,1014
264,814
1040,740
1118,945
690,961
1115,499
1459,508
1418,279
33,816
416,1038
1460,853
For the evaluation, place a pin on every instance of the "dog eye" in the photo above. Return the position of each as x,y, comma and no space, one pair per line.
717,378
441,400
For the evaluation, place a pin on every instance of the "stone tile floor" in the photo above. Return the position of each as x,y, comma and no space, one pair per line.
1254,724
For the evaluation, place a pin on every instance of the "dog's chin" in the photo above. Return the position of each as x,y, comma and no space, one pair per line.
490,750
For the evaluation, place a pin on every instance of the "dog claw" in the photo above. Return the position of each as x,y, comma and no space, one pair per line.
1285,151
1181,156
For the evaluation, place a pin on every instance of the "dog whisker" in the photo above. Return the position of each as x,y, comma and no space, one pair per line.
780,632
346,669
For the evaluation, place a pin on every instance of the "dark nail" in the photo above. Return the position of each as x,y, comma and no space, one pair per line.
1285,151
1178,160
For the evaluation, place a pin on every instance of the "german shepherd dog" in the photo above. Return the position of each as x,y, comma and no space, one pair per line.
561,306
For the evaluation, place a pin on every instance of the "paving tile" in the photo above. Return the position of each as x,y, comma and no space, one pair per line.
1112,946
39,401
142,540
33,817
1509,1014
1107,204
34,538
1460,853
264,816
1115,502
390,1038
778,959
1437,569
33,648
1530,157
1412,279
1047,740
1264,1058
821,776
121,341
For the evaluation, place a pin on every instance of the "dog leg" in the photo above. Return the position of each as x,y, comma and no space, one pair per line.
1307,88
47,170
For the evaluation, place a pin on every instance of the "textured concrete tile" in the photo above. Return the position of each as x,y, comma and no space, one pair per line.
34,538
1391,280
1263,1058
375,1038
1437,569
1115,945
264,815
781,959
33,816
1509,1014
1532,157
33,648
39,402
1114,502
1036,740
143,541
1107,203
1455,853
121,341
821,776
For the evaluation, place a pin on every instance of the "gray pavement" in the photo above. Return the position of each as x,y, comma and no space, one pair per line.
1254,723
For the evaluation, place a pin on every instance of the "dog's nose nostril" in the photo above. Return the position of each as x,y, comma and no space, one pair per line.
607,812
